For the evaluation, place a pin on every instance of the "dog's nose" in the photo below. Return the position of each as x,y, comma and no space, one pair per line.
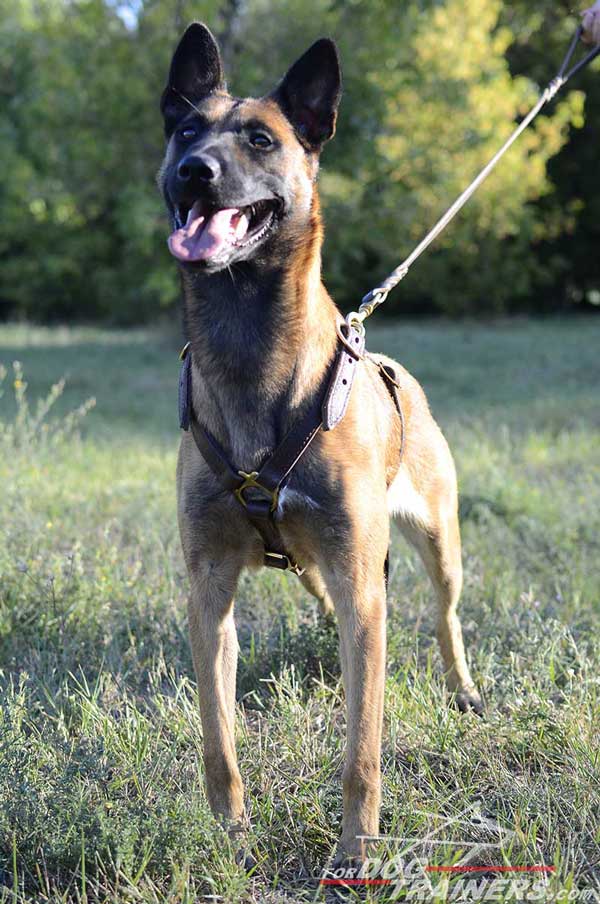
203,168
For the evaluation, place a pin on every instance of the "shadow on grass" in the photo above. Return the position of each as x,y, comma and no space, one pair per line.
312,649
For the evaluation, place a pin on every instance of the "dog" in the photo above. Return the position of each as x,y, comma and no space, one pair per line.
239,181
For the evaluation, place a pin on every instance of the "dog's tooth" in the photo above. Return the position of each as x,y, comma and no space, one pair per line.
241,226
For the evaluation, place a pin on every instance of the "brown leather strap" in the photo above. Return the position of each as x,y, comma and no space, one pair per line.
340,386
185,388
288,453
275,555
258,491
260,510
213,455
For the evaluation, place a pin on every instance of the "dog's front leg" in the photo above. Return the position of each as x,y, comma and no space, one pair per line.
360,603
214,650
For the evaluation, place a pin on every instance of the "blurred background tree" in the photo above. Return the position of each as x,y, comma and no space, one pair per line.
429,96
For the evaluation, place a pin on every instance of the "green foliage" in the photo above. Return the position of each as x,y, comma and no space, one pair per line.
101,778
429,96
572,210
35,429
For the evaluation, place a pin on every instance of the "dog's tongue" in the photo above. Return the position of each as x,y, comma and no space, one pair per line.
204,237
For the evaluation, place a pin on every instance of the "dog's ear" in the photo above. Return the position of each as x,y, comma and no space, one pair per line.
195,72
310,93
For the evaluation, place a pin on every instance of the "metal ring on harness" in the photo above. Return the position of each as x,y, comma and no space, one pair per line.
344,324
251,481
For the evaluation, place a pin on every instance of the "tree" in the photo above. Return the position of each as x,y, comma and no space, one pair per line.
568,251
429,96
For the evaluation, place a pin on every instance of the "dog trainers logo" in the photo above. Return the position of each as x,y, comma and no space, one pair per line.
465,858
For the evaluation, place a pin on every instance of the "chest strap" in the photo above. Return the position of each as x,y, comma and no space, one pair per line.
258,491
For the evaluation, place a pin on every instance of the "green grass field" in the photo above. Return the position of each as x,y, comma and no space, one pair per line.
101,786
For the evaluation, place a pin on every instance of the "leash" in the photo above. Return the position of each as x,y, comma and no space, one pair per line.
373,299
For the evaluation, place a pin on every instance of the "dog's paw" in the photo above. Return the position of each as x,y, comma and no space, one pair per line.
345,862
237,832
341,879
469,701
245,859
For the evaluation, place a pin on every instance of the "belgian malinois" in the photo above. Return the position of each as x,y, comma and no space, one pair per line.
239,179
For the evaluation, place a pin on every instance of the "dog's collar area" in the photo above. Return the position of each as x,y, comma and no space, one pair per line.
257,492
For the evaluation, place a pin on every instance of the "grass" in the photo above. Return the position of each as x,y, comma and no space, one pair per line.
101,793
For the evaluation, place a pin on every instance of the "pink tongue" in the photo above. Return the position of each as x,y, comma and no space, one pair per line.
202,238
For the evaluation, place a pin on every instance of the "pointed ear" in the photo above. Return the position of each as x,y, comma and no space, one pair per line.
195,71
310,93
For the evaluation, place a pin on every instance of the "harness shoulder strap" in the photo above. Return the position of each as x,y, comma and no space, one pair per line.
258,491
336,399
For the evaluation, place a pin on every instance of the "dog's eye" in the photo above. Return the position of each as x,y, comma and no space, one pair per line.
187,133
260,140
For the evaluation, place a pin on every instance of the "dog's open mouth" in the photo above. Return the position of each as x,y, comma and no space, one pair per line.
206,233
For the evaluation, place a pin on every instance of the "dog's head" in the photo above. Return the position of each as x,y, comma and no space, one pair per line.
238,175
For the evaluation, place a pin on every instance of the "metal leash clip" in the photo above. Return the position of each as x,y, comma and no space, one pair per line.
370,303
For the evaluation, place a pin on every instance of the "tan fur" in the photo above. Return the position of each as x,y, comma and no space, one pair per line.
335,522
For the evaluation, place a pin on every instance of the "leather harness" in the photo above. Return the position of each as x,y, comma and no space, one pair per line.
258,491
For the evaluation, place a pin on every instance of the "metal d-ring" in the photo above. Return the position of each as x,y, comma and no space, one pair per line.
251,481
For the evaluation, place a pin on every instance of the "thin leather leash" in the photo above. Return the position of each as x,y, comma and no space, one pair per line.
378,295
258,492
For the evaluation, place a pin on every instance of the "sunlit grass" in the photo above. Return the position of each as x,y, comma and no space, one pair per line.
101,789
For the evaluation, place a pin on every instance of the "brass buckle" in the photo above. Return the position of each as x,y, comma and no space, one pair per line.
251,481
284,563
